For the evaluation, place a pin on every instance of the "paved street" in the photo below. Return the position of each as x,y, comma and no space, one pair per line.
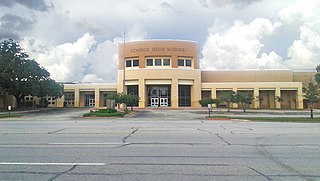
155,145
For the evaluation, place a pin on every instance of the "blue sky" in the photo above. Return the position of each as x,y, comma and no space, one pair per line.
76,40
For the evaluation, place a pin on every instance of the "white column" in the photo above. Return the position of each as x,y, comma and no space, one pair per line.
96,98
76,97
256,102
277,94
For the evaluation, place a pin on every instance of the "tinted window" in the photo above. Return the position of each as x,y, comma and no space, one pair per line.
135,63
166,62
157,62
128,63
149,62
188,63
184,96
180,62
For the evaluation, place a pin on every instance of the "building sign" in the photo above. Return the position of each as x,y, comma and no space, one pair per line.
157,49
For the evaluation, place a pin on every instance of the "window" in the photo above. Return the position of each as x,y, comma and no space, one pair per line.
135,63
157,62
184,95
128,63
69,99
132,63
149,62
133,89
166,62
180,62
89,100
51,100
188,62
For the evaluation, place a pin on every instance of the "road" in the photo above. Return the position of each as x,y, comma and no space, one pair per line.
155,145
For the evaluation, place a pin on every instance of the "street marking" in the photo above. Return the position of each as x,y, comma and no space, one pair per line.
48,164
88,143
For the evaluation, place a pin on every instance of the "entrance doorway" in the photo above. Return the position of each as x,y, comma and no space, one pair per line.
90,101
158,96
154,102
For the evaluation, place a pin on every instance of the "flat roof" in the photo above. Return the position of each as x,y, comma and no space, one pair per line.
146,40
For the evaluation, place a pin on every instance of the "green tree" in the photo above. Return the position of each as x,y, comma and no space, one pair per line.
116,97
312,93
243,98
205,102
131,100
279,99
228,97
317,76
21,76
126,99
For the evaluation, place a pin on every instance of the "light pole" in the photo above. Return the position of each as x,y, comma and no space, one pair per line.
124,62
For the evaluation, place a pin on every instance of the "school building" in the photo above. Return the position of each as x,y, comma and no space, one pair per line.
166,73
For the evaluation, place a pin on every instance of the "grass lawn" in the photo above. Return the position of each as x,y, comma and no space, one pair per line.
104,113
6,115
275,119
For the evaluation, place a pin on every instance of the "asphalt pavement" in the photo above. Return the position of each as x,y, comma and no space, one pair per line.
59,144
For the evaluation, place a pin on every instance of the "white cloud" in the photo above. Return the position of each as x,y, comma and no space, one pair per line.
230,44
299,11
305,52
89,78
103,62
238,47
84,60
67,62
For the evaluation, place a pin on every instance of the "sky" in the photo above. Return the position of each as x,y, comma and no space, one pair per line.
77,40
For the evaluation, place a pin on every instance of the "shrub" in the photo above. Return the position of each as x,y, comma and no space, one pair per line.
104,113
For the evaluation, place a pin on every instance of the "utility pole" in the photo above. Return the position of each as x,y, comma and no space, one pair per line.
124,63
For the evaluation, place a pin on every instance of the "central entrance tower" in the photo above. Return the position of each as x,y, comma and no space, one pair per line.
163,73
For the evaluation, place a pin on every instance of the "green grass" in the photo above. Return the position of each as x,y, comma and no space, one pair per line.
275,119
7,115
104,113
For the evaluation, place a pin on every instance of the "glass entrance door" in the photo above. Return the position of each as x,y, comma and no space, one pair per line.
91,103
154,102
163,102
159,96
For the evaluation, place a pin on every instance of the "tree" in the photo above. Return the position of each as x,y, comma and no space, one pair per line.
279,99
116,97
312,93
131,100
21,76
126,99
244,98
317,76
50,88
205,102
260,99
228,97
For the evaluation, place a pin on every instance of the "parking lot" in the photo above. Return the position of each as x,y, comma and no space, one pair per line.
156,145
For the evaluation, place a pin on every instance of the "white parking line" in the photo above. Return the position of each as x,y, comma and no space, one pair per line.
48,164
88,143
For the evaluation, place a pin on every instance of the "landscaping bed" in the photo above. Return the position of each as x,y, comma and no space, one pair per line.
105,113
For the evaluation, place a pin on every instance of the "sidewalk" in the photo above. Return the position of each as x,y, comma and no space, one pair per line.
23,110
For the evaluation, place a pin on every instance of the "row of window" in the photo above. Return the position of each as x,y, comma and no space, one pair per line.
159,62
51,100
132,63
184,62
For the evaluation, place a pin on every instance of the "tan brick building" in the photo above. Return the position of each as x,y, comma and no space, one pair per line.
166,73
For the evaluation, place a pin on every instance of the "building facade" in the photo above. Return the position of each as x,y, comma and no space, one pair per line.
166,73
